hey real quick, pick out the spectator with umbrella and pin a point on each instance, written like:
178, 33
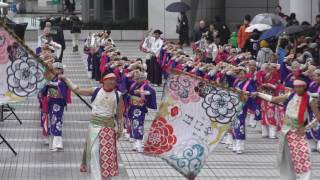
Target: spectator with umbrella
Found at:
184, 29
183, 26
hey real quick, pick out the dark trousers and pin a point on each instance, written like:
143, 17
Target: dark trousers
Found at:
61, 56
96, 74
154, 71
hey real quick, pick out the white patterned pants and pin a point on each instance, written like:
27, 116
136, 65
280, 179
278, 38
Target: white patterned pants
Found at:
95, 172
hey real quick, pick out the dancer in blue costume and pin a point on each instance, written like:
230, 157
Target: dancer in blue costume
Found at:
243, 83
141, 97
57, 96
314, 90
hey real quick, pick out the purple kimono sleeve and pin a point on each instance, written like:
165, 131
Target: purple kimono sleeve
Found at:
152, 98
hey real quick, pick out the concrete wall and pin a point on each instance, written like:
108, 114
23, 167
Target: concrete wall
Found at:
159, 18
306, 10
206, 10
237, 9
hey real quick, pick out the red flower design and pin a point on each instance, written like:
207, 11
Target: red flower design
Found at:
174, 111
161, 138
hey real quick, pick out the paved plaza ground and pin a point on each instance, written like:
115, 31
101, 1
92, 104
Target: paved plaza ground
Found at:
34, 161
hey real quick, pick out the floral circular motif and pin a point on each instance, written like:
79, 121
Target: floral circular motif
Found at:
220, 106
135, 123
56, 107
24, 75
137, 112
15, 51
59, 126
182, 88
5, 41
161, 137
174, 111
54, 119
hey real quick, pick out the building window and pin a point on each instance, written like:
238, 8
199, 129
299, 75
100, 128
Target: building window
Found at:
91, 4
107, 5
122, 10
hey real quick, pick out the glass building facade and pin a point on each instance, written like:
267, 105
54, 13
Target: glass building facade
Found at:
113, 10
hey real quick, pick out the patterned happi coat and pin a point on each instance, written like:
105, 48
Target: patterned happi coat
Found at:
239, 125
138, 107
54, 98
314, 91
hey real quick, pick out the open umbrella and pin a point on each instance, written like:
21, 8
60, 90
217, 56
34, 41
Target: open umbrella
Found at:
3, 5
269, 19
273, 32
259, 27
291, 30
178, 7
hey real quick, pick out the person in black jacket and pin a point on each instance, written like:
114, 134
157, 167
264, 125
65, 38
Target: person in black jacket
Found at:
184, 29
252, 44
198, 33
223, 29
75, 31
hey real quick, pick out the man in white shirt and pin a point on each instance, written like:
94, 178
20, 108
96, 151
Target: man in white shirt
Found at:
153, 47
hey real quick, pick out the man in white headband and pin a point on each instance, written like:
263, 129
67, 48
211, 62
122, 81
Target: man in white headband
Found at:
105, 126
294, 155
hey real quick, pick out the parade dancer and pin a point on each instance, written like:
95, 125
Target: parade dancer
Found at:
294, 155
268, 109
314, 90
289, 74
100, 154
243, 83
55, 97
254, 113
281, 90
141, 97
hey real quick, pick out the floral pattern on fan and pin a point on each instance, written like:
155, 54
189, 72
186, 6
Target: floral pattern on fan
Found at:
182, 89
24, 75
220, 105
161, 137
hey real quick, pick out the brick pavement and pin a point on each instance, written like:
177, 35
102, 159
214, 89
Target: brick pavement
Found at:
35, 161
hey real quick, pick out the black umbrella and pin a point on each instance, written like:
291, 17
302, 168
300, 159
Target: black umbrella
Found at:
178, 7
292, 30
